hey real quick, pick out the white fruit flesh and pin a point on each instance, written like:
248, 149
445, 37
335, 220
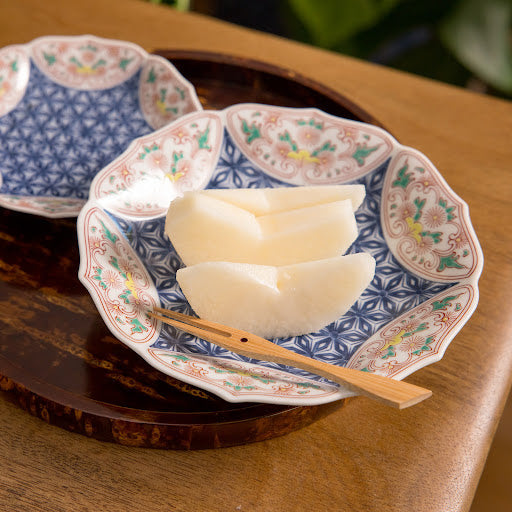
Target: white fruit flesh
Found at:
312, 233
264, 201
203, 228
276, 301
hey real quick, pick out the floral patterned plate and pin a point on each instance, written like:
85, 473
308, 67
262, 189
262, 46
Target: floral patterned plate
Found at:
68, 106
428, 257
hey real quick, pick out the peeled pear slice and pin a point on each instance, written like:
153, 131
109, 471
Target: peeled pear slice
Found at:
264, 201
274, 301
203, 228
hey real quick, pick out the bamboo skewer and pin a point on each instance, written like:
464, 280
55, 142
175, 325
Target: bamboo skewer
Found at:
395, 393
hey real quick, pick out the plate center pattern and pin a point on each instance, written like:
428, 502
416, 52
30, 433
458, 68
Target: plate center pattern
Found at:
57, 138
393, 291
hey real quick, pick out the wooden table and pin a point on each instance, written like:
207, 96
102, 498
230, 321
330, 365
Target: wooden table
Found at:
364, 456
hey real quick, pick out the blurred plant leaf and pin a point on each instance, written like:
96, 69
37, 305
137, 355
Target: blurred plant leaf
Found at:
330, 22
478, 32
180, 5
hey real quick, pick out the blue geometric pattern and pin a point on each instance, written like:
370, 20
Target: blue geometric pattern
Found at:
57, 138
393, 291
234, 170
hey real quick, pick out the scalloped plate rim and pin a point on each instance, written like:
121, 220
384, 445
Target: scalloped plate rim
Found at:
26, 48
472, 280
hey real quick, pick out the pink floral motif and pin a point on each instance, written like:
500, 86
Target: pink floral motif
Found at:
308, 136
54, 207
423, 246
435, 217
164, 94
426, 225
116, 279
156, 168
326, 162
180, 135
240, 380
157, 160
96, 244
406, 210
419, 336
14, 75
413, 343
112, 279
87, 62
459, 240
306, 146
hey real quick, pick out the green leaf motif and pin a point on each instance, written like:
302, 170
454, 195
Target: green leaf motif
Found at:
88, 47
236, 387
436, 237
478, 33
151, 76
286, 138
180, 91
403, 178
390, 353
111, 236
425, 346
99, 277
449, 262
176, 157
124, 63
74, 60
49, 58
312, 123
419, 208
125, 296
177, 357
326, 147
101, 62
331, 22
307, 385
361, 153
137, 326
443, 303
113, 261
148, 150
252, 131
448, 209
202, 139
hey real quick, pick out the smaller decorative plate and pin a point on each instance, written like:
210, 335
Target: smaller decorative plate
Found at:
417, 229
68, 106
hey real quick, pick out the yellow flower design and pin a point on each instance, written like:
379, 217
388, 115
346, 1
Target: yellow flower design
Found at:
86, 70
131, 285
161, 106
174, 177
303, 155
415, 227
395, 340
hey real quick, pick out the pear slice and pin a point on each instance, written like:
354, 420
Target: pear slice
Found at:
203, 228
264, 201
274, 301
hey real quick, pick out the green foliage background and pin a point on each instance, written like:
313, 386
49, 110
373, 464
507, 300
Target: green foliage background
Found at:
464, 42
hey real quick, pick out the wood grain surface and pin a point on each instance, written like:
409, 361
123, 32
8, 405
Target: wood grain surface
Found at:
363, 457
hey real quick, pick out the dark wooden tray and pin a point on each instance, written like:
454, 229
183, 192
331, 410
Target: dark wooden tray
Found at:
59, 362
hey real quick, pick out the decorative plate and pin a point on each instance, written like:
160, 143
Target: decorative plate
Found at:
418, 230
68, 106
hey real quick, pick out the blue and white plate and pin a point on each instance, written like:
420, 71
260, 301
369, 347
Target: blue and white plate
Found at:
417, 229
68, 107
